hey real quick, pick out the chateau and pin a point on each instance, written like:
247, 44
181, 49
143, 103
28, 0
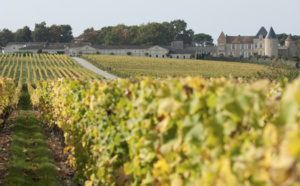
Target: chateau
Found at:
263, 43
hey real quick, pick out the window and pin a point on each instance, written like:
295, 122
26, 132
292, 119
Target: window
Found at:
231, 53
242, 46
249, 46
242, 54
261, 45
149, 55
163, 56
183, 57
177, 57
255, 45
156, 55
233, 46
249, 54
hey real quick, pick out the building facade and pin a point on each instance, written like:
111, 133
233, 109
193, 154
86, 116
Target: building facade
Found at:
176, 50
263, 44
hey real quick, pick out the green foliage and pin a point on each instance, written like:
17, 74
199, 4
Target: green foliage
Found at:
39, 51
23, 35
189, 131
9, 98
129, 53
6, 36
203, 39
41, 32
66, 34
145, 34
281, 38
279, 69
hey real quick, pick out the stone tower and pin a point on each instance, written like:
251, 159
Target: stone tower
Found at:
271, 44
222, 44
177, 43
290, 43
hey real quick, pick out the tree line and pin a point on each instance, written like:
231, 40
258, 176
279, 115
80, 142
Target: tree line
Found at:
144, 34
41, 33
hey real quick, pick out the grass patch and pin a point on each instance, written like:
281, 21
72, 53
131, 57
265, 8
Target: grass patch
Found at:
30, 162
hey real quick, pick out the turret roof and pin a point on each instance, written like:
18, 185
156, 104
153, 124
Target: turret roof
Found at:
222, 37
262, 31
271, 34
290, 38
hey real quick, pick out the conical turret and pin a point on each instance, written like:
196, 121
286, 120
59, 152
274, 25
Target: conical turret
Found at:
262, 31
290, 43
271, 34
271, 44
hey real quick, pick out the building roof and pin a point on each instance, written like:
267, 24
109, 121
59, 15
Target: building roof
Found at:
262, 31
222, 37
290, 38
239, 39
43, 45
77, 45
16, 43
120, 47
271, 34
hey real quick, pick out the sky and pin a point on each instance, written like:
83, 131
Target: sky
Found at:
233, 17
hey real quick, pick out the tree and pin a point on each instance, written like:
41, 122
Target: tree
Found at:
6, 36
66, 33
55, 34
103, 35
169, 32
281, 38
90, 35
203, 39
41, 32
23, 35
151, 34
187, 36
179, 26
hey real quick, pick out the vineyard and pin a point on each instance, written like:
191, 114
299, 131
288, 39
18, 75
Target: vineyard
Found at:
154, 131
39, 67
126, 66
9, 98
178, 131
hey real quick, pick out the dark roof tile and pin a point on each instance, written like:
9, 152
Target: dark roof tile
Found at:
271, 34
262, 32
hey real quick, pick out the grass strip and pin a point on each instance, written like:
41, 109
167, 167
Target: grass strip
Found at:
30, 162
